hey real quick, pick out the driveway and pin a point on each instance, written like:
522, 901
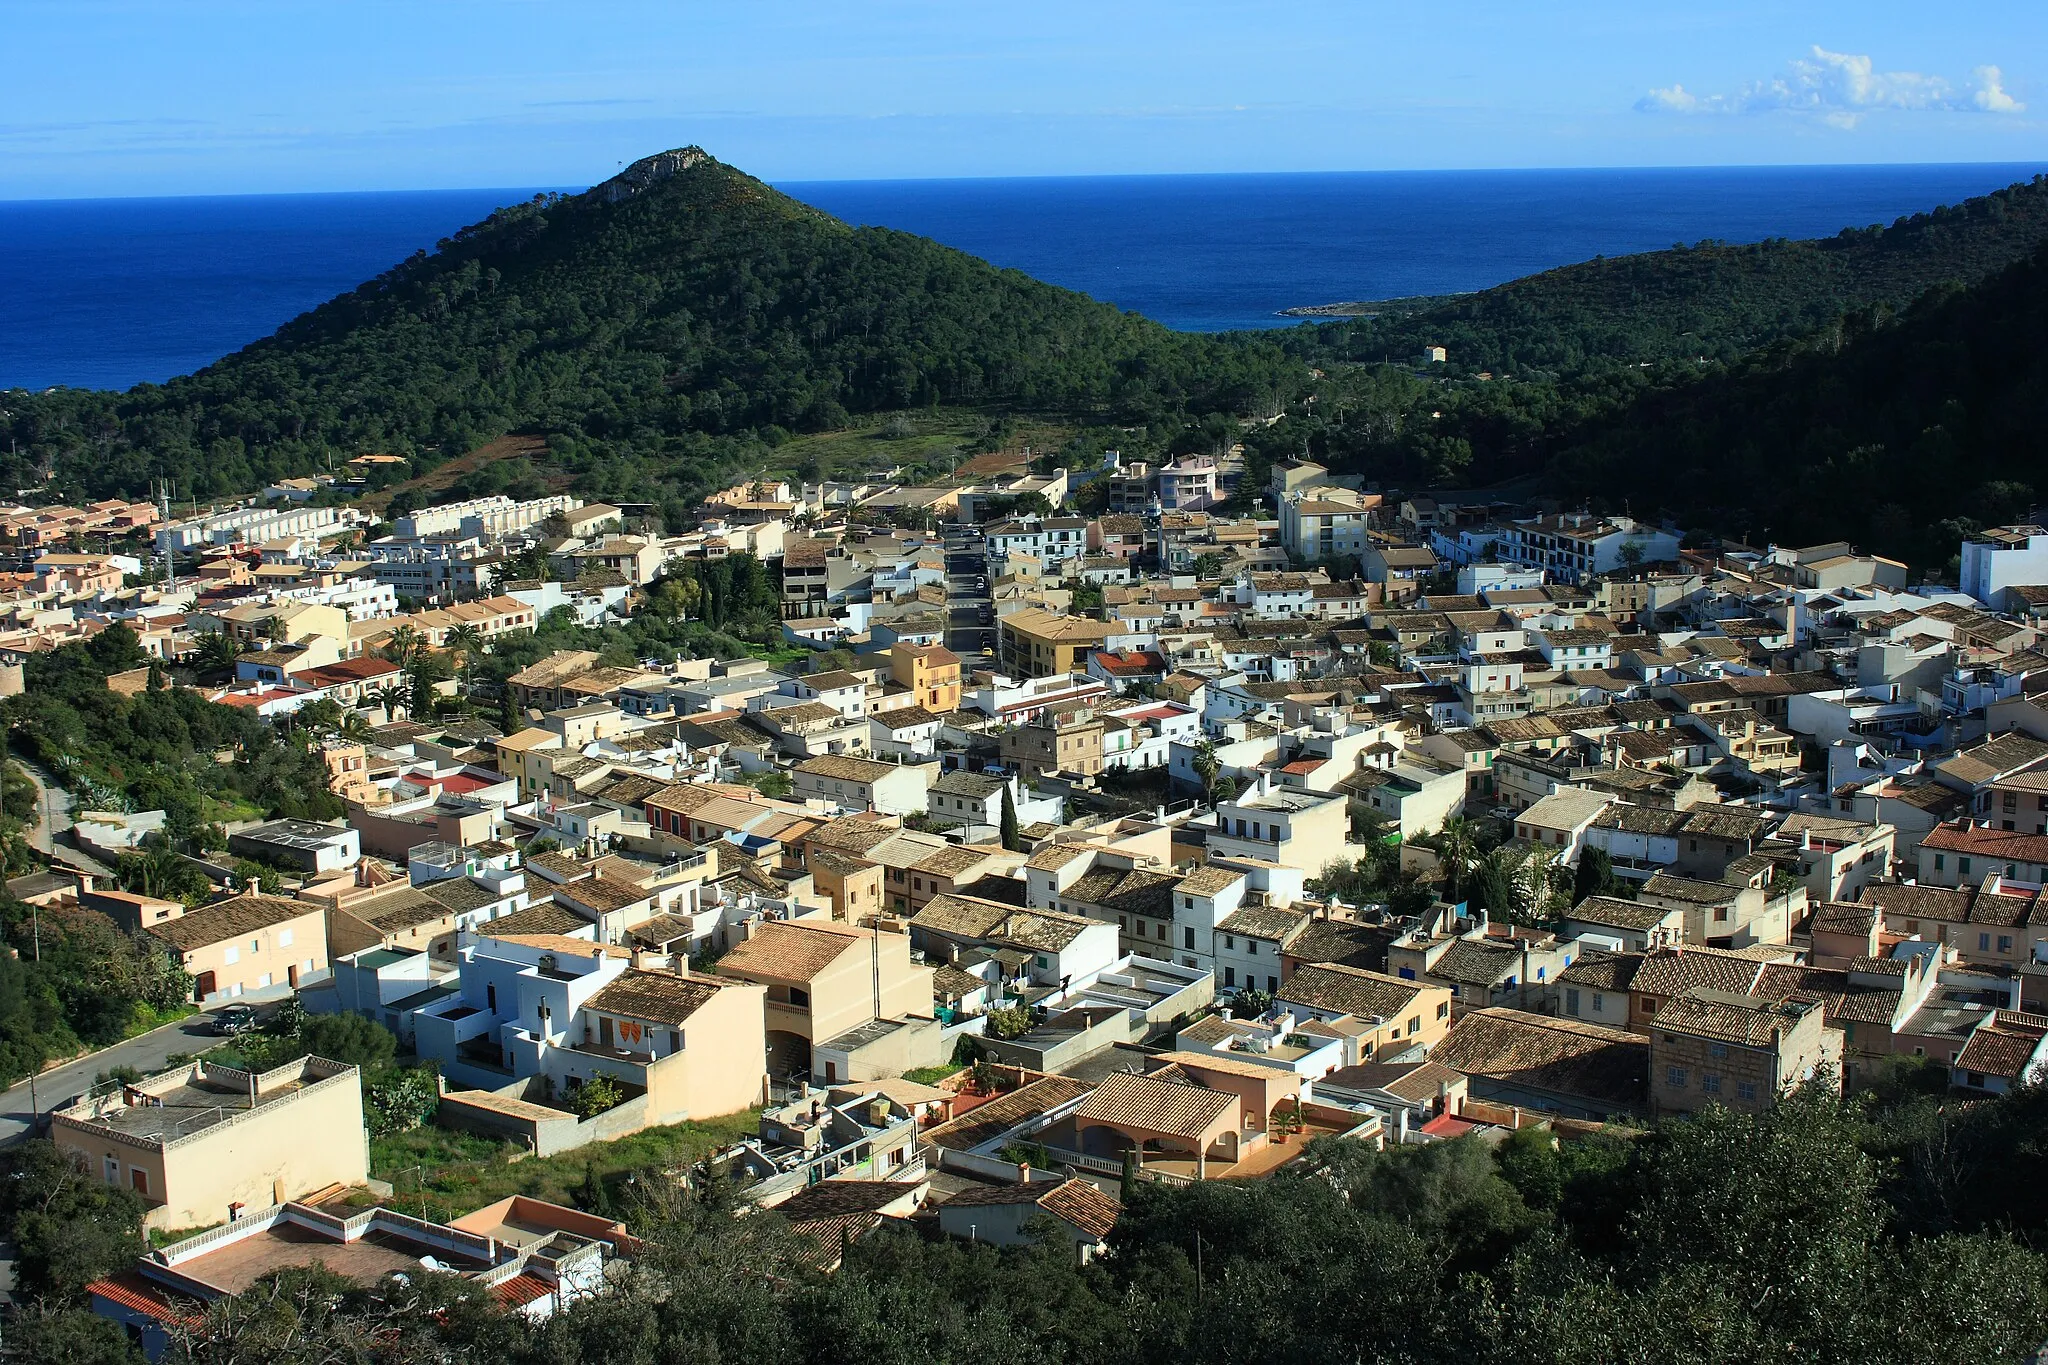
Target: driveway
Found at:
146, 1052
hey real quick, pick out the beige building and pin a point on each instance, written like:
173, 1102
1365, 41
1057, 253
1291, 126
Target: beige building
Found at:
693, 1042
864, 783
529, 757
1741, 1051
825, 980
1069, 743
204, 1143
1035, 643
246, 943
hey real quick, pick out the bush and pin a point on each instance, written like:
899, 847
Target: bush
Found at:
1009, 1021
348, 1038
399, 1099
596, 1095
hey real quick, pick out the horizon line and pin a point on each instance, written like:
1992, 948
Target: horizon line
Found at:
785, 182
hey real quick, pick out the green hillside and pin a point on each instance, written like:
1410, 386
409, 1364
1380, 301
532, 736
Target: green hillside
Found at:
1712, 301
672, 322
1903, 434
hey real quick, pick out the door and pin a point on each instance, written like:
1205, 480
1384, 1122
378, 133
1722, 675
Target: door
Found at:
291, 976
204, 986
604, 1030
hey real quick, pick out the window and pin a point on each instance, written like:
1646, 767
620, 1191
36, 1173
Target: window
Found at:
1717, 1050
1187, 902
1674, 1077
1230, 941
1710, 1083
1745, 1090
1159, 931
1599, 1003
1963, 866
2005, 943
1571, 1001
1983, 943
139, 1179
1415, 1025
230, 955
1188, 936
1407, 973
113, 1171
284, 938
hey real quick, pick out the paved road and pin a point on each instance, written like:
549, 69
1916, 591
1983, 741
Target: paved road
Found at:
146, 1052
966, 631
53, 805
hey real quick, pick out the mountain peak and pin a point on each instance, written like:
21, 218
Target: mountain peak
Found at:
649, 170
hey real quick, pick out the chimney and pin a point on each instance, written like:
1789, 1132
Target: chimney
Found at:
1401, 1126
1023, 1173
679, 964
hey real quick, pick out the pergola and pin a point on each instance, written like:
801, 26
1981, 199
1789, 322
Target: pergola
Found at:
1175, 1115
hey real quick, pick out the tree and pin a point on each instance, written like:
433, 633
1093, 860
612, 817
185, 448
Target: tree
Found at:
71, 1227
348, 1038
405, 646
1206, 765
596, 1095
1457, 844
508, 711
1595, 875
217, 652
1010, 838
1630, 556
392, 698
467, 639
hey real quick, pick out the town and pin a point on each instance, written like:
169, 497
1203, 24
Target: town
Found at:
1032, 838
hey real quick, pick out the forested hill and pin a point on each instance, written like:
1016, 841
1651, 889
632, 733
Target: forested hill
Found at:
677, 313
1713, 301
1903, 436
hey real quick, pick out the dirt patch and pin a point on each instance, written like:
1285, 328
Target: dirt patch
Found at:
444, 476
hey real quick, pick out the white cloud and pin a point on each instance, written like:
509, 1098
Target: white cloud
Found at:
1839, 89
1991, 96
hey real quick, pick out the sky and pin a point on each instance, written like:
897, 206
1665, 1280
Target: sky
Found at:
151, 97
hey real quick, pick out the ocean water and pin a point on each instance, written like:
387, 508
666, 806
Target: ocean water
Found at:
109, 293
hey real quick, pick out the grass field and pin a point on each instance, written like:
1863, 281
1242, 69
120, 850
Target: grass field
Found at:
940, 438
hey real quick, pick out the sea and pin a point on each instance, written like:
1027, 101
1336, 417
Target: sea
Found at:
108, 293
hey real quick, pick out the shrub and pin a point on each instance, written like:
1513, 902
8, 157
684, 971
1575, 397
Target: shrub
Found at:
597, 1094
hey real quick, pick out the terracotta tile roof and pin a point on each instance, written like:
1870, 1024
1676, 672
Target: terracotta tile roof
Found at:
1563, 1056
790, 950
521, 1290
1005, 1112
1082, 1205
1602, 971
543, 918
1746, 1020
1350, 990
230, 918
1470, 962
832, 1198
662, 997
1998, 1049
1671, 971
130, 1291
1159, 1106
1267, 922
1621, 914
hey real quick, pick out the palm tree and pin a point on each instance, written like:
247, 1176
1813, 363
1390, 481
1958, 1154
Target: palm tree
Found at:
355, 726
468, 638
218, 651
392, 699
405, 645
1457, 845
1206, 766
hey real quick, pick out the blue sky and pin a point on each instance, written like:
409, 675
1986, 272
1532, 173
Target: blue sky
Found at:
127, 97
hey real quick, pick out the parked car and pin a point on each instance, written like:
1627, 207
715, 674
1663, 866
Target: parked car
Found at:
233, 1019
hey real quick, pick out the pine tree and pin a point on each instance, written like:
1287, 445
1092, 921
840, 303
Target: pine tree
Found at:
1010, 839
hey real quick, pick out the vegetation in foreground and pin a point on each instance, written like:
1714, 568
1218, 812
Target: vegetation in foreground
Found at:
1890, 1228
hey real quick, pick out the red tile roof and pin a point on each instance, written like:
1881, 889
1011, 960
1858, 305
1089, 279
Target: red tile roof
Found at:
521, 1290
